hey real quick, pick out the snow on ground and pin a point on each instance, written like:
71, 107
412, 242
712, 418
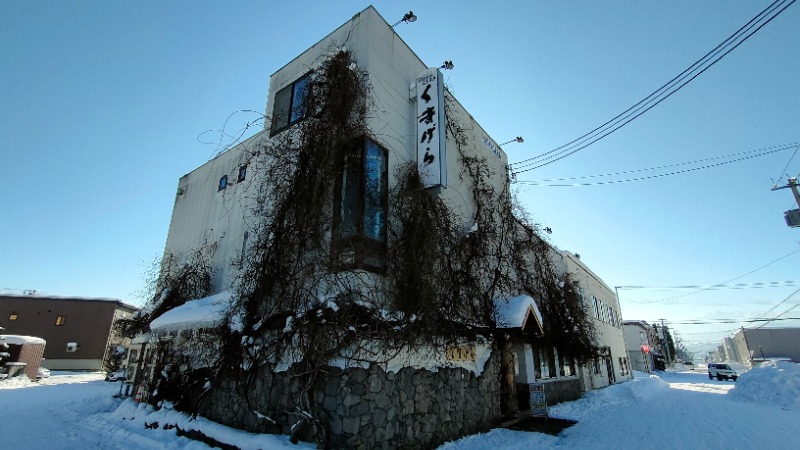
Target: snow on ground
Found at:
682, 410
78, 411
771, 382
673, 409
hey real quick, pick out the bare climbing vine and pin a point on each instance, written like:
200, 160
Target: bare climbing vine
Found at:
300, 303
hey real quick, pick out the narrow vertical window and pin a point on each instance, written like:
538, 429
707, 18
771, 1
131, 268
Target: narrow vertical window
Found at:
361, 207
60, 320
244, 247
223, 183
375, 186
242, 173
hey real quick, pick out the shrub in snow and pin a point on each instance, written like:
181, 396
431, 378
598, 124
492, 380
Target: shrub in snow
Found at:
771, 382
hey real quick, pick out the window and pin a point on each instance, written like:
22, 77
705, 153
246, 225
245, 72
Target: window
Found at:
544, 359
596, 307
361, 198
60, 320
13, 316
244, 247
288, 107
223, 183
242, 173
567, 364
134, 356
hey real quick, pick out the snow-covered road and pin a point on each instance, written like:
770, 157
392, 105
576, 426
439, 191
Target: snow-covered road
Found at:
682, 410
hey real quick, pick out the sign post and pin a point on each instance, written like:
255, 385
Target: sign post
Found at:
538, 400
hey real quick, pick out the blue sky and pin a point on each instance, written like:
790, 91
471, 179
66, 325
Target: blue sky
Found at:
103, 104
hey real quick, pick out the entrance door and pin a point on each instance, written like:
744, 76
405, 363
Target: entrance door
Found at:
610, 367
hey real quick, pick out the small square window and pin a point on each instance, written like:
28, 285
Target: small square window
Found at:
13, 316
60, 320
242, 173
223, 183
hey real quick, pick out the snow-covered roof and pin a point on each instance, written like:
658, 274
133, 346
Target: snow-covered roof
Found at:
22, 340
514, 312
200, 313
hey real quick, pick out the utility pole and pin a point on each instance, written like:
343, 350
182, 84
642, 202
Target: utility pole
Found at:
791, 216
666, 341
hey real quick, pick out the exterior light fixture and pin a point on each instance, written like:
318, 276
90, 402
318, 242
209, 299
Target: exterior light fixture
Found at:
516, 139
447, 65
408, 17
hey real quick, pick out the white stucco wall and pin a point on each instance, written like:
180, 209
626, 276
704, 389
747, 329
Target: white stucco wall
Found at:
608, 334
203, 215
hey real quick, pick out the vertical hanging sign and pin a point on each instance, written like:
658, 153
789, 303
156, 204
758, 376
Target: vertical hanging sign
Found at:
431, 136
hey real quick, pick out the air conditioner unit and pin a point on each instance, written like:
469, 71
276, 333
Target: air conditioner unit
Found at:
792, 218
72, 347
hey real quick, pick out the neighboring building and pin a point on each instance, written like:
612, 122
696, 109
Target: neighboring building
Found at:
78, 331
730, 350
754, 345
639, 345
602, 303
25, 352
356, 268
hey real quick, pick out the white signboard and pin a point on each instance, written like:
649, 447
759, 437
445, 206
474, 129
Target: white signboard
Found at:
431, 135
538, 400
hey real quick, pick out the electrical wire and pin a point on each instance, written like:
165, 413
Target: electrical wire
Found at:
650, 177
759, 152
715, 287
787, 165
723, 321
660, 94
778, 304
724, 282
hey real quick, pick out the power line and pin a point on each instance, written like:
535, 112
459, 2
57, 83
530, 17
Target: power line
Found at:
752, 154
779, 304
787, 165
722, 321
660, 94
724, 282
715, 287
650, 177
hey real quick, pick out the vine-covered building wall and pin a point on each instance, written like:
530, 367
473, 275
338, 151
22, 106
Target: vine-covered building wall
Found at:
345, 297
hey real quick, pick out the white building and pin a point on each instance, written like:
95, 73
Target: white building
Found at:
372, 202
603, 305
639, 345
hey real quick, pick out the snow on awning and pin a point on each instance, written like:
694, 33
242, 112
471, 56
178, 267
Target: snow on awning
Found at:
201, 313
516, 312
22, 340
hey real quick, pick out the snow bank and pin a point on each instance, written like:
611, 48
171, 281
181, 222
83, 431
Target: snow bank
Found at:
142, 414
640, 388
500, 438
775, 382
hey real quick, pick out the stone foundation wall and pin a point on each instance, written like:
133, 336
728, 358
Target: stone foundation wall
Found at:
367, 408
563, 390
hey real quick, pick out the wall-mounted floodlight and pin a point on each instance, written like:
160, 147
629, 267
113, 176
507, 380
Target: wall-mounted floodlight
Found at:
516, 139
408, 17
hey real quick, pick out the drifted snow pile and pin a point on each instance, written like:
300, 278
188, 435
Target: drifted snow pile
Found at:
164, 421
641, 387
771, 382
